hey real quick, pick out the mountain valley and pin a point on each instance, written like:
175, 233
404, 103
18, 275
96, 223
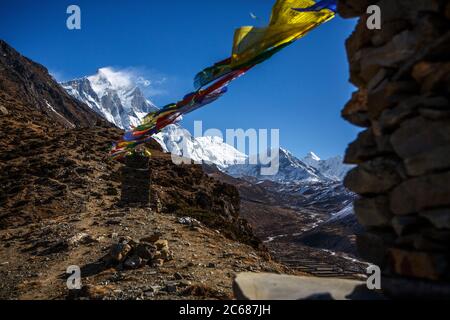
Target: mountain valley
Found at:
63, 201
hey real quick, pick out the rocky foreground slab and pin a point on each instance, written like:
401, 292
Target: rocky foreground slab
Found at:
267, 286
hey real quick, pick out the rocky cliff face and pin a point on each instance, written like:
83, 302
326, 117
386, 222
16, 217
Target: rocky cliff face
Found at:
403, 77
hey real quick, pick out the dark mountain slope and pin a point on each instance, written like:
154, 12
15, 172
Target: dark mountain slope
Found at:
29, 93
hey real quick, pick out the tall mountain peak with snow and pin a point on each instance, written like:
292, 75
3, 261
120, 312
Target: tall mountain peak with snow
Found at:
112, 95
311, 157
333, 168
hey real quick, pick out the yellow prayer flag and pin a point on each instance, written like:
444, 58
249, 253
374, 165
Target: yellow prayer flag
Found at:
286, 25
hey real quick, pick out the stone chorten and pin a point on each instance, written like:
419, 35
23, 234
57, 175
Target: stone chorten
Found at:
402, 157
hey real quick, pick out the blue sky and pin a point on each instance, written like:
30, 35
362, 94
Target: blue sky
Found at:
300, 91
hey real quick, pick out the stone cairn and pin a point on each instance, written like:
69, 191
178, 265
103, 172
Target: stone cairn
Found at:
402, 157
135, 181
133, 254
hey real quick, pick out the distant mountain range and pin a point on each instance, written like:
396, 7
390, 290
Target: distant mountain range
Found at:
292, 169
122, 103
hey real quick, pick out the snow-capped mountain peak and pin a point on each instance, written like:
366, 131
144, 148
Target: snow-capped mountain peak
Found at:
106, 79
333, 168
311, 155
113, 95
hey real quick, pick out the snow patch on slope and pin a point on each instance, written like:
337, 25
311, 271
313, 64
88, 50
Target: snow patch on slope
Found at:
58, 114
347, 211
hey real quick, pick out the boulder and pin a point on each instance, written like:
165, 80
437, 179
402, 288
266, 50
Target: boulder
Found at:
267, 286
188, 221
434, 77
440, 218
417, 289
405, 224
419, 264
424, 243
146, 251
428, 162
373, 212
355, 111
388, 31
380, 77
418, 136
165, 254
119, 252
419, 194
391, 118
388, 95
383, 142
162, 244
405, 9
391, 55
158, 262
359, 39
435, 114
439, 235
353, 8
3, 111
362, 149
373, 245
373, 177
80, 238
134, 262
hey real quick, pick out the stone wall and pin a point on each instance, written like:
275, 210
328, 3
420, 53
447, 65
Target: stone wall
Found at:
402, 73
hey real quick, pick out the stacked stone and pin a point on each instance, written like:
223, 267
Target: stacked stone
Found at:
135, 181
402, 157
